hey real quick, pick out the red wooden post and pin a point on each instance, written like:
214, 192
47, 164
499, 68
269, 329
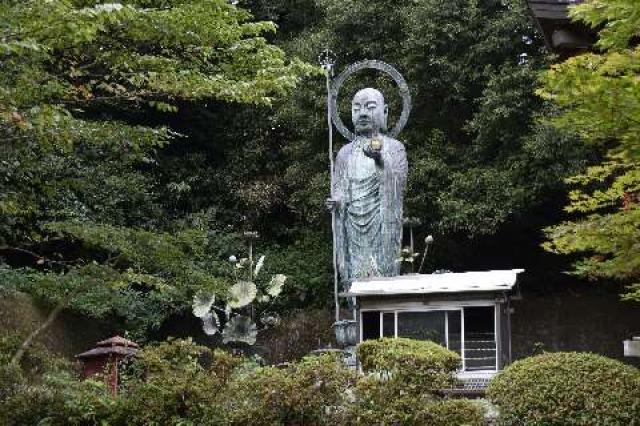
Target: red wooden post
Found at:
105, 358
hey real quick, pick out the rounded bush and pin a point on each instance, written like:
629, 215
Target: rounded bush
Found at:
383, 403
567, 388
419, 365
309, 392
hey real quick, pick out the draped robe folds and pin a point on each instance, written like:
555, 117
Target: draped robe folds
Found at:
369, 214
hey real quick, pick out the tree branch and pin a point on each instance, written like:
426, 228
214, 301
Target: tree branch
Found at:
15, 360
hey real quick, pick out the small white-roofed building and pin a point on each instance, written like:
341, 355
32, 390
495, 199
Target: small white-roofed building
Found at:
467, 312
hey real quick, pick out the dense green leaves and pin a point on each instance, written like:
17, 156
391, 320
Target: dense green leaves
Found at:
469, 133
418, 366
618, 21
599, 97
178, 383
567, 388
401, 382
87, 91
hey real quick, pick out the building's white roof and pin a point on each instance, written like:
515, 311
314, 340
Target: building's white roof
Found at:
450, 282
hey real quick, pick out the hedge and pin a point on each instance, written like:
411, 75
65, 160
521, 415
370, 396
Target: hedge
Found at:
567, 388
419, 365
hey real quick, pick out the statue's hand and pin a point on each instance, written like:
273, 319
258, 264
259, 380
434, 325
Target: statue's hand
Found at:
332, 204
374, 153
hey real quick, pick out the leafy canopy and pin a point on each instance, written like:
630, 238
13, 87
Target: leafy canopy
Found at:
87, 91
599, 97
63, 57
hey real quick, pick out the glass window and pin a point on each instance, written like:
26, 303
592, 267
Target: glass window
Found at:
370, 325
454, 325
422, 326
469, 332
389, 324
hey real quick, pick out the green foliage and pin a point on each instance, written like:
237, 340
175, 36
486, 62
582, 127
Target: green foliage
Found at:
306, 261
179, 382
301, 393
376, 406
473, 107
48, 183
11, 380
403, 376
320, 390
599, 99
609, 229
87, 90
44, 389
452, 412
176, 382
155, 259
567, 389
35, 364
143, 277
618, 21
598, 94
60, 400
82, 54
297, 334
419, 366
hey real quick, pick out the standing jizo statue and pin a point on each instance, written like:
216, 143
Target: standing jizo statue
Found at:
367, 194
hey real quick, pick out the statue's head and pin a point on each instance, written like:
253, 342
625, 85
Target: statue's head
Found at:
369, 112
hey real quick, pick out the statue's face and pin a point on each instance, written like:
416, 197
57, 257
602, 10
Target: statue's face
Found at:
369, 112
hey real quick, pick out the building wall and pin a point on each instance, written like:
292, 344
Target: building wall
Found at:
591, 322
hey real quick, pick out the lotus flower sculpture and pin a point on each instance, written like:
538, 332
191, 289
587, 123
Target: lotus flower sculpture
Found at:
247, 291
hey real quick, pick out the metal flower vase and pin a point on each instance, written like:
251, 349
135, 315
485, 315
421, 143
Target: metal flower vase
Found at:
345, 333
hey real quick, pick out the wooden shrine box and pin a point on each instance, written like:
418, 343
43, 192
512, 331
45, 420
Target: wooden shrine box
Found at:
105, 359
467, 312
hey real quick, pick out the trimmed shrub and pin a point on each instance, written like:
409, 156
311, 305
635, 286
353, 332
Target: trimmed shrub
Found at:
451, 412
60, 400
567, 388
176, 382
310, 392
179, 382
399, 389
44, 389
379, 401
11, 381
418, 365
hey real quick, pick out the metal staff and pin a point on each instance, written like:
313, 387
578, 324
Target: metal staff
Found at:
327, 61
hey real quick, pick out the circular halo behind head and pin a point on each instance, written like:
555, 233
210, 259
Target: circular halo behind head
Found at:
380, 66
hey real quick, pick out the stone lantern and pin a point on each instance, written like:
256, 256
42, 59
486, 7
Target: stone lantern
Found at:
105, 358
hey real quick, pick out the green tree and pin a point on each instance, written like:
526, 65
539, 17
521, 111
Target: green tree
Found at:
473, 106
599, 97
87, 90
479, 162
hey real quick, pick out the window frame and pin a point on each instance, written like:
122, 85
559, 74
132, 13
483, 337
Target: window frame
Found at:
438, 308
